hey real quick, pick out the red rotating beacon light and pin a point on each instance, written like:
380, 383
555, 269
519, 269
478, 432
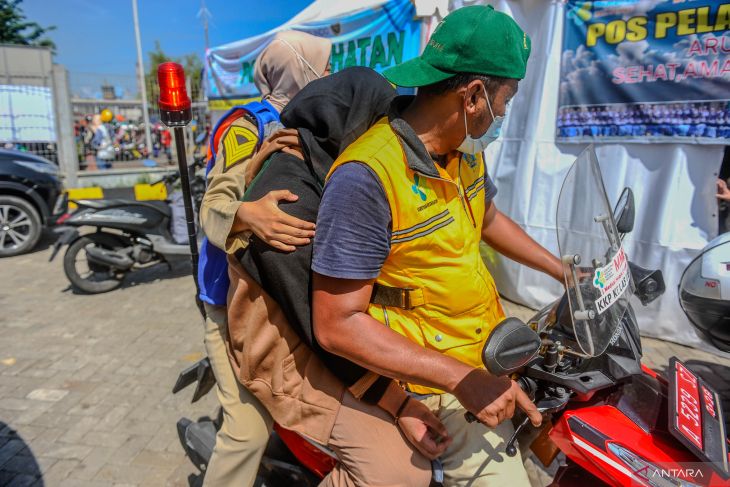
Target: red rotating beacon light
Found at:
174, 102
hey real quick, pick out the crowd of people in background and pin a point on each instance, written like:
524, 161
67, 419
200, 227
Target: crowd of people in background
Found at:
711, 119
104, 142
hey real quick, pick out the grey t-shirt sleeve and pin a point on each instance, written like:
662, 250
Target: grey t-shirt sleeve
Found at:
353, 231
490, 190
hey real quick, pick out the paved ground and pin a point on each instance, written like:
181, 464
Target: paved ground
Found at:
85, 380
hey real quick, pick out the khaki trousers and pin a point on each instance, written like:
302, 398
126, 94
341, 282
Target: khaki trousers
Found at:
372, 451
241, 441
476, 457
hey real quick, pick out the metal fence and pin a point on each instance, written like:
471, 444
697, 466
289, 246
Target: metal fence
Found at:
126, 128
47, 150
127, 133
31, 88
48, 112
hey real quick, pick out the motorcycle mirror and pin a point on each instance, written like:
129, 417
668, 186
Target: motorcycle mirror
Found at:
510, 346
649, 284
623, 213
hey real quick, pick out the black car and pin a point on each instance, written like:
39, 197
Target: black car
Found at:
31, 198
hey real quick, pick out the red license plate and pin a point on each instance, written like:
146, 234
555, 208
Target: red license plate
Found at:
687, 404
696, 416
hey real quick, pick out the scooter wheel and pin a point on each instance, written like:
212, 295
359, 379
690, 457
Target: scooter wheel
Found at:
89, 277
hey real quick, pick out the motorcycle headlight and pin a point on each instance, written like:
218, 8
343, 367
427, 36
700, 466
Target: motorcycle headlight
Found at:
43, 167
652, 474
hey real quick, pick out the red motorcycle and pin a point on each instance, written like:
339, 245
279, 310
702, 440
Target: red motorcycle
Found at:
616, 421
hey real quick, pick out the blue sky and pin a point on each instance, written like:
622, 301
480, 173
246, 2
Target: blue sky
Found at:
95, 38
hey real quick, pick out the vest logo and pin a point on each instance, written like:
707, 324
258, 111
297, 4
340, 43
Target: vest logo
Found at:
419, 187
471, 160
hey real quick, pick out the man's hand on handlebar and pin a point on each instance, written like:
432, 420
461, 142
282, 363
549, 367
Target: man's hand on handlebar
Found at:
272, 225
493, 399
423, 429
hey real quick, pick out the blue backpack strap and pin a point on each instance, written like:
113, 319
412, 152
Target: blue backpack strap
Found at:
264, 114
262, 111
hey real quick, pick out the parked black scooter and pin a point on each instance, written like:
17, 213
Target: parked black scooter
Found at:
129, 235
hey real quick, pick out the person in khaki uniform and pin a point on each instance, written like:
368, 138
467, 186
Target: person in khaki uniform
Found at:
284, 67
399, 285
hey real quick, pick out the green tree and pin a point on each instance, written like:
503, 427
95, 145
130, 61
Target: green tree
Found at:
16, 29
193, 70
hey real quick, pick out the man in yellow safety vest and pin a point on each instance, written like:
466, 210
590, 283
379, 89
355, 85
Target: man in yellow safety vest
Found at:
398, 231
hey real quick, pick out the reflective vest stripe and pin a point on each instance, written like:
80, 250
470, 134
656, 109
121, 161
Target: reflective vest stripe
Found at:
421, 225
423, 233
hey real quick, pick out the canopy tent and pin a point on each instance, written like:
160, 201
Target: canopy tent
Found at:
374, 33
672, 182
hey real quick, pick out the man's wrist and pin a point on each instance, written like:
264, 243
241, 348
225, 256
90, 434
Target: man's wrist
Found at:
558, 271
554, 268
456, 376
392, 398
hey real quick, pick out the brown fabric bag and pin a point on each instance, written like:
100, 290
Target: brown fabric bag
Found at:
272, 362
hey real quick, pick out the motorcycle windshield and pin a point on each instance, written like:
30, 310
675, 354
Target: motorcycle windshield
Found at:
596, 269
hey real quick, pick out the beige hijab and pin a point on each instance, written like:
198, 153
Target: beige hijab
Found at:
290, 61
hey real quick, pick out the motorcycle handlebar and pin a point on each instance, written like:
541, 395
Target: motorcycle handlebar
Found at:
527, 386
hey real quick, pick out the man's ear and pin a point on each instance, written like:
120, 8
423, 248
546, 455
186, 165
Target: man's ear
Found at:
474, 91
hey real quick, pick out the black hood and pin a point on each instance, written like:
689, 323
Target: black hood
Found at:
332, 112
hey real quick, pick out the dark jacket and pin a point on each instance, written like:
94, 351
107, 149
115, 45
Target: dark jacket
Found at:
274, 286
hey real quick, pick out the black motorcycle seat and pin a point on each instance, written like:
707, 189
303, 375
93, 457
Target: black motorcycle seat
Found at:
160, 206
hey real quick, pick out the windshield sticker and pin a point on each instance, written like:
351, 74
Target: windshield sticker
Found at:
612, 280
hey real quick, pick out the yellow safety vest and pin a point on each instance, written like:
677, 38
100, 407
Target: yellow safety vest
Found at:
436, 230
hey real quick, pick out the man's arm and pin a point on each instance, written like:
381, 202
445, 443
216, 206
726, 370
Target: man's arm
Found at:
353, 241
507, 238
222, 199
342, 326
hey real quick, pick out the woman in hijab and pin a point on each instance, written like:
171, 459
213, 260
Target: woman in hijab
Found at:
285, 66
329, 114
290, 61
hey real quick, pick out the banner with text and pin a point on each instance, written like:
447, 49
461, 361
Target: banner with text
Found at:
376, 37
649, 70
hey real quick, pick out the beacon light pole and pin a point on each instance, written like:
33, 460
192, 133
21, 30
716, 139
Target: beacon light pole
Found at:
175, 112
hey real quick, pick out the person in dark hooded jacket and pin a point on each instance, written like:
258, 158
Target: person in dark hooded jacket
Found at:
329, 114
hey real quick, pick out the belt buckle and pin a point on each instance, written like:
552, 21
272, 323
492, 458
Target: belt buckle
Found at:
405, 298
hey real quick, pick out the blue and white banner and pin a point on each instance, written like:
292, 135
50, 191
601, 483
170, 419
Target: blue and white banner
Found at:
645, 70
375, 37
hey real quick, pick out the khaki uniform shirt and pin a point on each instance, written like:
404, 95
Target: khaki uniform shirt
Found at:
266, 354
226, 185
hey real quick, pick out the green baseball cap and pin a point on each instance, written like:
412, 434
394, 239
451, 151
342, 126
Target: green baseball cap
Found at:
475, 39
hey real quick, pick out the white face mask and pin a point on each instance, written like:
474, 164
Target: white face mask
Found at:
475, 146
